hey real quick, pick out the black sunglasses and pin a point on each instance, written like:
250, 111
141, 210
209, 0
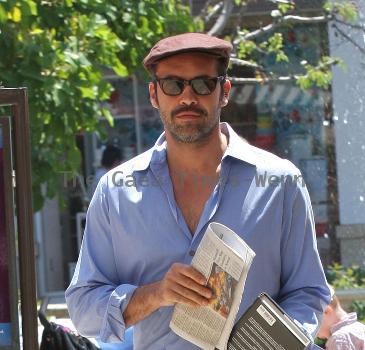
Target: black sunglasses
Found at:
201, 86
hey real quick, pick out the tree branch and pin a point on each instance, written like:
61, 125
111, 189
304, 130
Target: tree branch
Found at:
238, 62
215, 10
204, 11
272, 77
222, 19
236, 80
279, 22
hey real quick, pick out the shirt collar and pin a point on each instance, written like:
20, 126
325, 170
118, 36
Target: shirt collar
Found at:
156, 154
237, 148
348, 319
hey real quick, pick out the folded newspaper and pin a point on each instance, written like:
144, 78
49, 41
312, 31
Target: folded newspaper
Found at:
224, 259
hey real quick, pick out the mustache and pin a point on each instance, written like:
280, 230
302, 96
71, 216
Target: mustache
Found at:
194, 109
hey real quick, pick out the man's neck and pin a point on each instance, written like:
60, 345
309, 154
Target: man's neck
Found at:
197, 158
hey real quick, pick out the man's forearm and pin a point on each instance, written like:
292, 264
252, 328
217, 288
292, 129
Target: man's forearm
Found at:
181, 284
143, 302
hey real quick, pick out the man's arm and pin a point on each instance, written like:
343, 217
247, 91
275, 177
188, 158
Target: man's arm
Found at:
95, 296
181, 284
304, 291
99, 305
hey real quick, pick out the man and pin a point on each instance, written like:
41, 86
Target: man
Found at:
148, 215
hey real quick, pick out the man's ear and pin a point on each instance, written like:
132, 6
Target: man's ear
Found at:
226, 90
153, 95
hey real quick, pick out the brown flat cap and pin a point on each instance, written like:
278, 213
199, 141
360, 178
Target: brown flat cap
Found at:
186, 43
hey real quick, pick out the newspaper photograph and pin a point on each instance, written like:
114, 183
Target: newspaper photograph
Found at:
222, 285
224, 259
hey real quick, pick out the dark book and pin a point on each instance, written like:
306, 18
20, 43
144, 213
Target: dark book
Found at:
265, 326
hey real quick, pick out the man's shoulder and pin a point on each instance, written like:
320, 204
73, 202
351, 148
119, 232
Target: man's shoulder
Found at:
270, 163
138, 163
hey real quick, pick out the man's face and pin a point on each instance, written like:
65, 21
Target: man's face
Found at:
189, 117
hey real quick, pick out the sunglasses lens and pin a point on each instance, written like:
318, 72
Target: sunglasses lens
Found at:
203, 86
171, 87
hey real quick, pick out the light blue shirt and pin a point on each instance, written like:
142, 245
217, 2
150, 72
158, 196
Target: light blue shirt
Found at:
135, 231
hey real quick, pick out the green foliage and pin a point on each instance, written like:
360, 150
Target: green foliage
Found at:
246, 48
346, 9
358, 307
284, 8
345, 278
251, 50
269, 44
320, 75
240, 2
275, 45
59, 50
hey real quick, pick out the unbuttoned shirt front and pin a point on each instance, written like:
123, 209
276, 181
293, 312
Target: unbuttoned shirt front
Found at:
348, 334
135, 231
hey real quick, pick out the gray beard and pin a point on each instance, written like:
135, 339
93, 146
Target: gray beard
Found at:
199, 135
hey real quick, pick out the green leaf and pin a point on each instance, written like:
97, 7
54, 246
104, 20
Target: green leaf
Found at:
102, 32
246, 48
29, 8
346, 9
74, 157
3, 14
282, 57
328, 6
349, 12
120, 68
286, 7
108, 116
87, 92
144, 23
15, 14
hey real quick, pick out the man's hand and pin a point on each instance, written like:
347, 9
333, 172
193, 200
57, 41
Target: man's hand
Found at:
183, 284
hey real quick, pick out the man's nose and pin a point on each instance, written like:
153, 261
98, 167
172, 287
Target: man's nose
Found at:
188, 97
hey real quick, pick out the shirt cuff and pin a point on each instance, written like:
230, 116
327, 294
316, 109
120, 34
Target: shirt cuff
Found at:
113, 326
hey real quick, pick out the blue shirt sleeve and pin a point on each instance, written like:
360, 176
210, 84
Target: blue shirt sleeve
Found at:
95, 299
304, 292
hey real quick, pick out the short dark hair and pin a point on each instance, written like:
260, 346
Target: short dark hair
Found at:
221, 67
111, 155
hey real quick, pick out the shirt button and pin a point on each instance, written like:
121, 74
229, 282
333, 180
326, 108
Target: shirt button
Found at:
192, 253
